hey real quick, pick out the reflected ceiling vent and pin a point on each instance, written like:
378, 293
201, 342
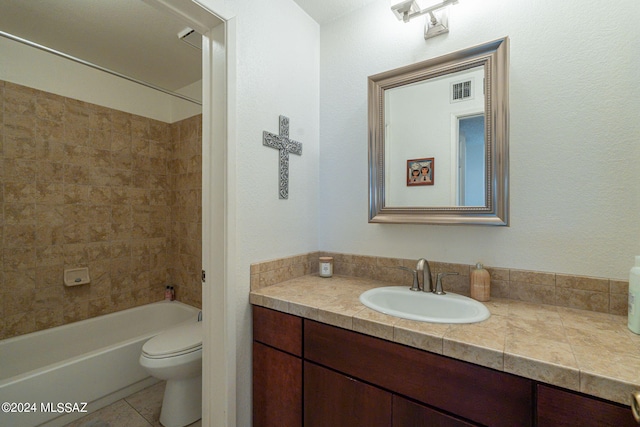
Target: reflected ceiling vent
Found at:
462, 91
191, 37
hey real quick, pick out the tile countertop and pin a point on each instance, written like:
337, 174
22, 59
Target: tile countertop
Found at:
585, 351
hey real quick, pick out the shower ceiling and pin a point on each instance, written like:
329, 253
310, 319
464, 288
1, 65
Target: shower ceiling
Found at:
126, 36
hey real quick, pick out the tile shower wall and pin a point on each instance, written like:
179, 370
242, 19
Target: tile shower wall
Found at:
585, 293
185, 172
84, 185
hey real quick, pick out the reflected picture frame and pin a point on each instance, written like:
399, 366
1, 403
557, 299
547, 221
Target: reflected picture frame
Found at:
420, 171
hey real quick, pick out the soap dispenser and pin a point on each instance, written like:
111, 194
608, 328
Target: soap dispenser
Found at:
634, 298
480, 283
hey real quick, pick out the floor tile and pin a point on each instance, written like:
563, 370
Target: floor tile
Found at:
141, 409
148, 402
118, 414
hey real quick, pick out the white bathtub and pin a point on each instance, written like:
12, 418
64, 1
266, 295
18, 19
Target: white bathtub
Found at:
93, 361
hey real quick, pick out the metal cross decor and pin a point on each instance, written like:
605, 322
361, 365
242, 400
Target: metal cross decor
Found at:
285, 145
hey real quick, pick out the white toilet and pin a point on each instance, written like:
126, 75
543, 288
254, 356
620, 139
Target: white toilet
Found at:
175, 355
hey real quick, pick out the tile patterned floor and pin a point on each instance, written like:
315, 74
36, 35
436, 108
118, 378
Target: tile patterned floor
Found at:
141, 409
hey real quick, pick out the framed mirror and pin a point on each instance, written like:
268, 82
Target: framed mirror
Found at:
439, 139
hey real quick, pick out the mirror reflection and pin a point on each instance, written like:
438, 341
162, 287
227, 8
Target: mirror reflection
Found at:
440, 118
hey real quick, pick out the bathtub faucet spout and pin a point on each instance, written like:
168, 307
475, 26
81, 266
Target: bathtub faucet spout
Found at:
200, 316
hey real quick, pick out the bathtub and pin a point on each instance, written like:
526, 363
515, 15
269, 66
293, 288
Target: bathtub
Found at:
48, 376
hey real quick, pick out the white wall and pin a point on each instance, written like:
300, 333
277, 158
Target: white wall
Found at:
277, 62
41, 70
574, 147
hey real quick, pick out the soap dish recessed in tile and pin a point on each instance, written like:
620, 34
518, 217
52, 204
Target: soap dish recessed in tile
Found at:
76, 276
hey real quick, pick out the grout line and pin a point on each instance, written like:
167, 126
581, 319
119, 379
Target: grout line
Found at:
137, 412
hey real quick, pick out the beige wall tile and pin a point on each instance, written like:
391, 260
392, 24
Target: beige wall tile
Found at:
498, 274
532, 277
19, 258
499, 288
19, 193
618, 287
50, 142
582, 283
49, 317
19, 280
50, 108
19, 214
618, 304
19, 324
87, 185
584, 300
532, 293
19, 99
18, 170
585, 293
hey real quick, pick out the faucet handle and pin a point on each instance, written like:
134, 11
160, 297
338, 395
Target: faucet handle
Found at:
416, 285
439, 290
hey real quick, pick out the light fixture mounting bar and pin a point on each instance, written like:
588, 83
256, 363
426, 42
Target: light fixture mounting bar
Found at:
409, 9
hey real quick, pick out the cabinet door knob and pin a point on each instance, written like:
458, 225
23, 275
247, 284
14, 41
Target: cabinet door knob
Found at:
635, 405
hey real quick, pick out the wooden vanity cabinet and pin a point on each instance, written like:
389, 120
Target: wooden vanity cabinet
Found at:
277, 369
306, 373
564, 408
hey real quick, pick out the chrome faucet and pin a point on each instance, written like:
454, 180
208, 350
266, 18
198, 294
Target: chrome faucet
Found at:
200, 316
423, 265
427, 284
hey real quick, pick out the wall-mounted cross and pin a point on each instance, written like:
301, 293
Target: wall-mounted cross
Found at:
285, 145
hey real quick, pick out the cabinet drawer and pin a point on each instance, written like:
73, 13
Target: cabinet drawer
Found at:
476, 393
560, 408
276, 329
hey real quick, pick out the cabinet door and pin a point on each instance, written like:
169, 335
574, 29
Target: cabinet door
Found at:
277, 388
335, 400
410, 414
559, 408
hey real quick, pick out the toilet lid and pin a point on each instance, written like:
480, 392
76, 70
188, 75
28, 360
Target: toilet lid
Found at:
181, 339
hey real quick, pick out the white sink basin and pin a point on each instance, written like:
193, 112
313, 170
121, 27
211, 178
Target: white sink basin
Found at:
399, 301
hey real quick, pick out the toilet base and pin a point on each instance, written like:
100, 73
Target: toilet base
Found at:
182, 402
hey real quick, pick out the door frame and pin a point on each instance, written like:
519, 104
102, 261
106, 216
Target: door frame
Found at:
209, 18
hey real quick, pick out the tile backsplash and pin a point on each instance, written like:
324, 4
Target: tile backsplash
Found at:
586, 293
84, 185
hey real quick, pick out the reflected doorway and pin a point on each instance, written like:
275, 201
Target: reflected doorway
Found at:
471, 161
